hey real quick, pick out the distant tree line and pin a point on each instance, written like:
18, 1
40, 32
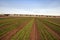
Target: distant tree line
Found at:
6, 14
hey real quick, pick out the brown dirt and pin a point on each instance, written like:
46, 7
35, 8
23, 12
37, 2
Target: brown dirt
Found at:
56, 31
7, 25
52, 32
9, 34
34, 33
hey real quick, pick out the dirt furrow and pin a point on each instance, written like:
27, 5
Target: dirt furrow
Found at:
7, 25
34, 33
9, 34
52, 32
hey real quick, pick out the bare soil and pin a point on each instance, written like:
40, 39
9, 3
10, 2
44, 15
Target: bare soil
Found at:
52, 32
34, 33
9, 34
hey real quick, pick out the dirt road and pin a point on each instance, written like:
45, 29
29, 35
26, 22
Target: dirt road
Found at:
34, 33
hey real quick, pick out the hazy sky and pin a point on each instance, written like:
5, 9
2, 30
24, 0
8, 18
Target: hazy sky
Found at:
40, 7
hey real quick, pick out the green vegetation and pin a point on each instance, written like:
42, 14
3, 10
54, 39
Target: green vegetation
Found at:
43, 24
44, 33
52, 25
24, 33
14, 23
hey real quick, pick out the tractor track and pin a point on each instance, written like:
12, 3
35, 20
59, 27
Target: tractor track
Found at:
34, 35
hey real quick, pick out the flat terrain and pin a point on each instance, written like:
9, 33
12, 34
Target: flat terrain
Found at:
29, 28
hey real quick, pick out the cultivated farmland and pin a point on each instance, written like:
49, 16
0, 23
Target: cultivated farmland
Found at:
29, 28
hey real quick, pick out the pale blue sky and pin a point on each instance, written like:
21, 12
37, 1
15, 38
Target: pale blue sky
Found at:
40, 7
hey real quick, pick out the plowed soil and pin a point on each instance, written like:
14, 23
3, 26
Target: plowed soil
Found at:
34, 33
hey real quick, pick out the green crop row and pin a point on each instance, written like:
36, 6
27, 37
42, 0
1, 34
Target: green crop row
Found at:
44, 33
9, 24
54, 20
7, 20
24, 33
16, 24
53, 26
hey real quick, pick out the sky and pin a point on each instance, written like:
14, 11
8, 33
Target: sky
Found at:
35, 7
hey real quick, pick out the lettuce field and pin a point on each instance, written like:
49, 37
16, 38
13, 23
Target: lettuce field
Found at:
29, 28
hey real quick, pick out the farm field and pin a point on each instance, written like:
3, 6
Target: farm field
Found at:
29, 28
